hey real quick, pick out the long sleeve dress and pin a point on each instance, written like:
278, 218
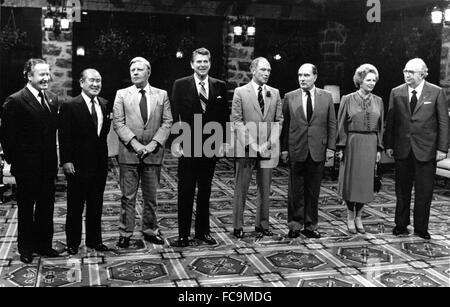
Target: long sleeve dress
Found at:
360, 131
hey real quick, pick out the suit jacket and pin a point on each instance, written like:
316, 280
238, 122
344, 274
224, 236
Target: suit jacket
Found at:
186, 104
423, 130
300, 137
128, 123
79, 142
245, 112
28, 133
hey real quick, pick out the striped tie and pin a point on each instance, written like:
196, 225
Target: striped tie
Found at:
261, 99
203, 96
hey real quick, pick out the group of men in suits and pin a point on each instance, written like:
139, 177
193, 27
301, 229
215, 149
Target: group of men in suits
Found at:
417, 137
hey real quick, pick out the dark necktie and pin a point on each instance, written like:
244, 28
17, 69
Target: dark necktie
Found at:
261, 99
43, 104
309, 109
413, 101
203, 96
94, 114
143, 106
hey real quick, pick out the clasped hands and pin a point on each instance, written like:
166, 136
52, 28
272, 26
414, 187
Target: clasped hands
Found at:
141, 150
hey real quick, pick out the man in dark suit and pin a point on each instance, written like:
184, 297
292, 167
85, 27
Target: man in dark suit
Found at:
417, 137
204, 98
83, 128
308, 139
28, 137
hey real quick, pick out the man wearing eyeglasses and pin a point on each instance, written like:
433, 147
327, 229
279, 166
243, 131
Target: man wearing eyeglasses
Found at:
417, 138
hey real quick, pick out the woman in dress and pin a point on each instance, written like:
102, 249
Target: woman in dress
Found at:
360, 130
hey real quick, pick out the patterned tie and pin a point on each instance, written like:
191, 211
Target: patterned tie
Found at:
43, 104
309, 109
261, 99
413, 101
143, 106
203, 96
94, 114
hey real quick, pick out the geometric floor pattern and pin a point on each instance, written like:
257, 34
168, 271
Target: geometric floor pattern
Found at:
338, 259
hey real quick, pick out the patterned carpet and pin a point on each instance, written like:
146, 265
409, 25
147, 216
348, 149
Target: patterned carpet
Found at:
377, 259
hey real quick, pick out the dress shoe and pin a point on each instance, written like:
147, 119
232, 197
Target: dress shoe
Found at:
99, 247
155, 239
207, 239
311, 233
123, 242
26, 258
72, 250
48, 252
423, 234
182, 242
238, 233
400, 230
264, 232
294, 233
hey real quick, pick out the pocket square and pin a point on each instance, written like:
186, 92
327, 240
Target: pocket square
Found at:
427, 102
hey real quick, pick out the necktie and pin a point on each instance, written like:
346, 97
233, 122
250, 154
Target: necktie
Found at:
261, 99
43, 104
309, 109
94, 114
203, 96
143, 106
413, 101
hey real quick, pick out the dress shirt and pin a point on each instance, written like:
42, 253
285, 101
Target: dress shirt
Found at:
98, 109
197, 84
418, 89
305, 98
147, 95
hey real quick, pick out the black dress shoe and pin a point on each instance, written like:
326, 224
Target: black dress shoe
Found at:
294, 233
48, 252
423, 234
400, 230
311, 233
182, 242
123, 242
26, 258
264, 232
207, 239
155, 239
238, 233
72, 250
99, 247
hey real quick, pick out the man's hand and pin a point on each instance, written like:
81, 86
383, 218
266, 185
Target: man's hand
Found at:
390, 152
285, 156
151, 147
177, 150
254, 147
340, 154
68, 168
378, 156
137, 146
224, 149
440, 155
330, 154
264, 149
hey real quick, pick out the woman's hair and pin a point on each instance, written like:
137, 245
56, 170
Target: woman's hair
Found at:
362, 71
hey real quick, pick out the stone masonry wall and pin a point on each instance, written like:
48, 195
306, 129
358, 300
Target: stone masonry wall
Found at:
239, 52
333, 39
445, 60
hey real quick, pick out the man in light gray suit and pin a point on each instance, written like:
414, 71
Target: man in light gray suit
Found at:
308, 138
257, 118
142, 120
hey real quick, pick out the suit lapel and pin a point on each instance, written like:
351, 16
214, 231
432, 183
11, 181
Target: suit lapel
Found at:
316, 103
135, 103
297, 105
423, 96
405, 97
32, 101
86, 113
253, 98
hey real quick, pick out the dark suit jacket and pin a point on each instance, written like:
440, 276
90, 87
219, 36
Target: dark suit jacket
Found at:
300, 137
424, 130
79, 142
186, 103
28, 133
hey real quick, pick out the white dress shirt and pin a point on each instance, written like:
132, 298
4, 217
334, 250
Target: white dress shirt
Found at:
197, 84
98, 110
418, 89
256, 87
305, 97
147, 95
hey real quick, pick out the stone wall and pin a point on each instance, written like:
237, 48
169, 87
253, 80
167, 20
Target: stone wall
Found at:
445, 60
238, 52
57, 51
333, 39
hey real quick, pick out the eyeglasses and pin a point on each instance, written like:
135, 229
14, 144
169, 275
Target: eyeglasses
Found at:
409, 72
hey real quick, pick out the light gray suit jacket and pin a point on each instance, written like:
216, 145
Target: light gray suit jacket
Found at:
128, 123
300, 137
245, 109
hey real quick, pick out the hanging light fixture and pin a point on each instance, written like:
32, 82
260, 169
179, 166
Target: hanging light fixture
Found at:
55, 17
237, 30
251, 31
447, 14
441, 14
